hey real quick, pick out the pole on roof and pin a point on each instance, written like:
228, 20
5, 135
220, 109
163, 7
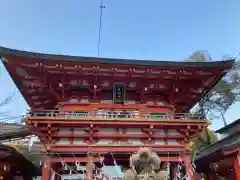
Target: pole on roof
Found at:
100, 26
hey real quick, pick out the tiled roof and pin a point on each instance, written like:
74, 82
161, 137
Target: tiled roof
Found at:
12, 131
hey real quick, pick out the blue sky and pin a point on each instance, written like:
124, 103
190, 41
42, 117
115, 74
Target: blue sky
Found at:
153, 29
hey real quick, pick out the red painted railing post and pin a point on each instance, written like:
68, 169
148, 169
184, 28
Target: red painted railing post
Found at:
236, 164
46, 171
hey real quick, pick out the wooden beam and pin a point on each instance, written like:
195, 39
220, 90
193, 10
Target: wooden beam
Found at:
113, 149
106, 159
231, 151
120, 106
115, 135
72, 159
116, 121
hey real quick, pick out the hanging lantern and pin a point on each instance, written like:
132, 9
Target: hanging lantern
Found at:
6, 167
238, 158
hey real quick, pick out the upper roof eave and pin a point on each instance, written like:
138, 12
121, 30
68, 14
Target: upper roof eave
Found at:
227, 64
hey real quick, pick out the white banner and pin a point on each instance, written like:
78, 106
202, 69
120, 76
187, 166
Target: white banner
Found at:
238, 158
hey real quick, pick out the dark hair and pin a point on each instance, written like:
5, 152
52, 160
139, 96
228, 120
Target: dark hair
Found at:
163, 165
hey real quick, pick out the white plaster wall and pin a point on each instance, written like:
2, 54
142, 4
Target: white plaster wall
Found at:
63, 141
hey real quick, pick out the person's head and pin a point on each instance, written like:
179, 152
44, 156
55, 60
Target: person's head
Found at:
163, 166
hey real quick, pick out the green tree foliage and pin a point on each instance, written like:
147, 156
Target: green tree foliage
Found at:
225, 93
203, 140
218, 100
199, 56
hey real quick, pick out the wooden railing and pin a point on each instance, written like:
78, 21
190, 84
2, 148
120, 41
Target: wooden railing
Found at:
116, 115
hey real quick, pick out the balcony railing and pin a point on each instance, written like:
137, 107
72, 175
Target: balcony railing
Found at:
116, 115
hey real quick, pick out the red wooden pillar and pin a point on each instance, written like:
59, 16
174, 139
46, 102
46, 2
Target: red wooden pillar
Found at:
46, 170
188, 166
236, 164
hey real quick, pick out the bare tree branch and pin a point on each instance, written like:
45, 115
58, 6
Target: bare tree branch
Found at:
4, 103
225, 93
7, 100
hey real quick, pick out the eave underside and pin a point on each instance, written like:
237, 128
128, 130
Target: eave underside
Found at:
38, 77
